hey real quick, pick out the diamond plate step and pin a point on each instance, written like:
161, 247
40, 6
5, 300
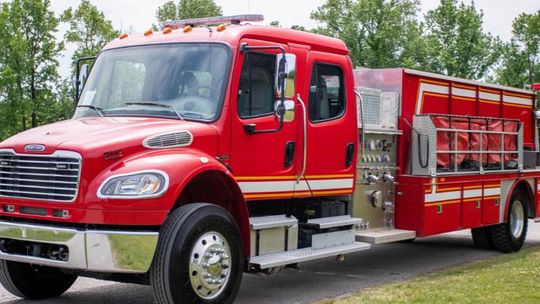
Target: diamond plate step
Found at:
383, 236
272, 221
335, 221
306, 254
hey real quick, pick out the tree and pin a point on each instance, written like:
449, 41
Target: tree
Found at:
88, 29
187, 9
378, 33
168, 11
456, 43
198, 9
29, 65
521, 56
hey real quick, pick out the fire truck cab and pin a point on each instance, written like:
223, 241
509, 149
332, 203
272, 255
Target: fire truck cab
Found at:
214, 147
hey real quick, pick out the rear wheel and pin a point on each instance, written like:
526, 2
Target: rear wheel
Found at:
199, 257
482, 237
510, 236
34, 282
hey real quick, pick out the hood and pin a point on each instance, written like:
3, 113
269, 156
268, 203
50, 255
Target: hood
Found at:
94, 136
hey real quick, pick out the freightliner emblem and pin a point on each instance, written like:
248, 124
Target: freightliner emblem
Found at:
34, 148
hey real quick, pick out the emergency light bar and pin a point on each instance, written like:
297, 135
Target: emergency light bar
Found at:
536, 87
176, 24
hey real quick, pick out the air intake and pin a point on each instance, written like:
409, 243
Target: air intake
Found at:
169, 140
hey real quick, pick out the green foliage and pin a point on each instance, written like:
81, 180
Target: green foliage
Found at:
456, 43
198, 9
379, 33
28, 61
89, 30
187, 9
168, 11
521, 56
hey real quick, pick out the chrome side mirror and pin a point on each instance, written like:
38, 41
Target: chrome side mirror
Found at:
286, 75
287, 111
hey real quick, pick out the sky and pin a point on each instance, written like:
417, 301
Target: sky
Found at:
126, 15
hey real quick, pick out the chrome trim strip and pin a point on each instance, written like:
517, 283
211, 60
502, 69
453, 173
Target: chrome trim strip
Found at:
60, 154
89, 250
35, 180
158, 194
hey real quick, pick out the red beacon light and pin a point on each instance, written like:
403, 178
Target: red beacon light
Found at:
536, 87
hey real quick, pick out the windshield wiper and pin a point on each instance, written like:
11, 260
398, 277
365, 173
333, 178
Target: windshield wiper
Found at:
97, 109
155, 104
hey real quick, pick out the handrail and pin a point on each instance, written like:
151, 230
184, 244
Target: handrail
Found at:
305, 118
361, 108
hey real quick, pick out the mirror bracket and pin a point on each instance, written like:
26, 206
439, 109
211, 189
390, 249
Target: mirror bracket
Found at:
77, 72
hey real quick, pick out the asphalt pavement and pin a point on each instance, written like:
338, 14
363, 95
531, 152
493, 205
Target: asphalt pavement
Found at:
315, 280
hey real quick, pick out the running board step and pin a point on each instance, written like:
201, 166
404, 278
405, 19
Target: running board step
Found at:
306, 254
272, 221
335, 221
383, 236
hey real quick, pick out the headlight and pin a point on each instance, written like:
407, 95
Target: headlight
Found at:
135, 185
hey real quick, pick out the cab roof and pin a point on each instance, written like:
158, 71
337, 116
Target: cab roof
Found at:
232, 34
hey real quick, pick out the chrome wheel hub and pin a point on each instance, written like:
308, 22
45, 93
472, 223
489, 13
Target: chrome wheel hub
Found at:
210, 265
517, 219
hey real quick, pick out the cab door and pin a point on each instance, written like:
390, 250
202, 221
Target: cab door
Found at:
331, 125
263, 163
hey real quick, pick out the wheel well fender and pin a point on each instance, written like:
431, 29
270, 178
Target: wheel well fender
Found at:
215, 185
524, 187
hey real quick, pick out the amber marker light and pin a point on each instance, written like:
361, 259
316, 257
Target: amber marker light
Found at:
167, 30
221, 28
123, 36
188, 28
149, 32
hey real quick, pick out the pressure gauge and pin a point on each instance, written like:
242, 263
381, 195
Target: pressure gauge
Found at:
380, 145
372, 145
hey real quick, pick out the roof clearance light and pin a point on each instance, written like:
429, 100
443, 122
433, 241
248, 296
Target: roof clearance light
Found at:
123, 36
221, 28
167, 30
188, 28
149, 32
536, 87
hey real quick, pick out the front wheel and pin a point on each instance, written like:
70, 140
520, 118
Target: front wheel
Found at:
510, 237
34, 282
199, 257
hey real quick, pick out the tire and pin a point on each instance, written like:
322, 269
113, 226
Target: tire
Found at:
33, 282
482, 238
510, 237
199, 258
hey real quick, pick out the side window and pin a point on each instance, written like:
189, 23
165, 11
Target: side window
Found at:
326, 93
256, 89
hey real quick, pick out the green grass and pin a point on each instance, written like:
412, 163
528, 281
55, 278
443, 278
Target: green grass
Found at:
512, 278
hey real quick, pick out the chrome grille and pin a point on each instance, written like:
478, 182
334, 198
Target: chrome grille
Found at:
170, 140
50, 177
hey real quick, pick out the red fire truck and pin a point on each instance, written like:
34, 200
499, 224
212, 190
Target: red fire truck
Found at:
215, 147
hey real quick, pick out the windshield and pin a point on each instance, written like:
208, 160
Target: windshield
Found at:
179, 81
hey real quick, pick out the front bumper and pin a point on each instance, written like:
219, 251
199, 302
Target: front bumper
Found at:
88, 250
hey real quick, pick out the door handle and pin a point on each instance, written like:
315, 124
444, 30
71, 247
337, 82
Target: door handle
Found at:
349, 153
290, 148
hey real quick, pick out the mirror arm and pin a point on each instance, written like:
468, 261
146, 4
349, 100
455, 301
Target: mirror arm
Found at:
251, 128
77, 72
